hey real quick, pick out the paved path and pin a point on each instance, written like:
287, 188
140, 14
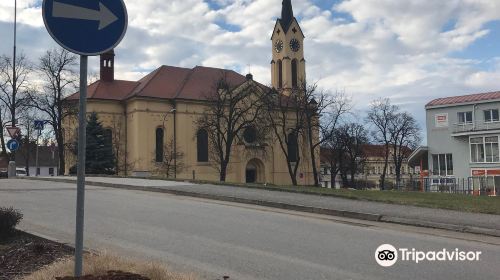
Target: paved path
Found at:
216, 238
424, 215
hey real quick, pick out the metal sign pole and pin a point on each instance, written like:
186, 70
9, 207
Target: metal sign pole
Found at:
68, 24
36, 160
80, 194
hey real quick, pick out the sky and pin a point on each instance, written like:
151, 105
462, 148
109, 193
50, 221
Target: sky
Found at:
411, 51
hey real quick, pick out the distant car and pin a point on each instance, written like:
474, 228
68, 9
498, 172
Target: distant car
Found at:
21, 172
3, 174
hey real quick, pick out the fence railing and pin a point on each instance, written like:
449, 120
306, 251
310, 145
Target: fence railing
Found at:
477, 126
468, 186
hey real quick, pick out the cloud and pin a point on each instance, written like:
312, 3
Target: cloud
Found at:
401, 49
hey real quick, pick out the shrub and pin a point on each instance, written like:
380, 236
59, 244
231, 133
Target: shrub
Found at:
9, 219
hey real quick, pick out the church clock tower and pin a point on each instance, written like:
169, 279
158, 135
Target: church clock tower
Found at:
288, 67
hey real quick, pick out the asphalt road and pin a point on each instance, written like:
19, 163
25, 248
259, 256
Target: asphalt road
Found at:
245, 242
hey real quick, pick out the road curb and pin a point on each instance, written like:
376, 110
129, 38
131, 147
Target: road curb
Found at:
450, 227
293, 207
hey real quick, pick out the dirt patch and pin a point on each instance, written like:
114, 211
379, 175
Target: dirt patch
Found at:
103, 264
22, 254
110, 275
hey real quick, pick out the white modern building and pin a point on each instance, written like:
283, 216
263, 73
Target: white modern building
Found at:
462, 143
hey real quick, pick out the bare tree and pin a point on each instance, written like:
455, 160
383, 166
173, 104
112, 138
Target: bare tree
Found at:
352, 138
405, 133
230, 110
286, 118
323, 112
172, 161
122, 162
381, 115
29, 140
332, 154
57, 67
3, 116
13, 88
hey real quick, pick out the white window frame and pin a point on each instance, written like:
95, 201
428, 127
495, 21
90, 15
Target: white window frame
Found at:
445, 165
484, 149
491, 115
465, 117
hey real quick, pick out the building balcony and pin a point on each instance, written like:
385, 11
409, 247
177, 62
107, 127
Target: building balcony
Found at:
465, 129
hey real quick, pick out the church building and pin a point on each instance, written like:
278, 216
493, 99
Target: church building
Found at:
160, 111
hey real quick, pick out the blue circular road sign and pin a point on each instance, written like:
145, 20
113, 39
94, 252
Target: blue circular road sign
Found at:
90, 27
13, 145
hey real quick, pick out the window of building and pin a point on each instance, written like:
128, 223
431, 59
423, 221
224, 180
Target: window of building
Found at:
295, 78
51, 171
280, 73
465, 117
477, 149
491, 148
484, 149
250, 135
202, 145
159, 144
442, 165
491, 115
108, 137
292, 147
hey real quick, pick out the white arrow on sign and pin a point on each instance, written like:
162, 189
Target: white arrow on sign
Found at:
104, 15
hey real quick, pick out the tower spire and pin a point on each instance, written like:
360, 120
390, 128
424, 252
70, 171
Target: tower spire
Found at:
286, 14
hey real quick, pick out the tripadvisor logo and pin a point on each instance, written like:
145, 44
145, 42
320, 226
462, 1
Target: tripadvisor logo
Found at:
387, 255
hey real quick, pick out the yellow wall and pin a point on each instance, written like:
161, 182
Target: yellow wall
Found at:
138, 127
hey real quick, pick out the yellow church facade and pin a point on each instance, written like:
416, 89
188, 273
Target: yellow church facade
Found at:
161, 111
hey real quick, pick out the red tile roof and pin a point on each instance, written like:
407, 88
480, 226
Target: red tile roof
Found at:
369, 150
116, 90
166, 82
464, 99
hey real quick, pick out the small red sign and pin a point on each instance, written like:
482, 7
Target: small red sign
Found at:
493, 172
13, 131
480, 172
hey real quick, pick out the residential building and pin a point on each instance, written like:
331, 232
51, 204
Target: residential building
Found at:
372, 167
143, 116
48, 160
462, 141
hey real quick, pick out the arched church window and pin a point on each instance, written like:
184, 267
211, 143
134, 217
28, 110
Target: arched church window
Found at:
293, 147
202, 145
280, 73
159, 144
108, 137
295, 81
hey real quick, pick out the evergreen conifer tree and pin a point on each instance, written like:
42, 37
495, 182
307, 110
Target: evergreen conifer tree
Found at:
100, 158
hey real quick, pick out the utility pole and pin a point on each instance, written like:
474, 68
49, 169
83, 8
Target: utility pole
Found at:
14, 78
12, 162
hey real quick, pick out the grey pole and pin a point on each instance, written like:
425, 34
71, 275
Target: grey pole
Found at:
36, 161
80, 193
12, 162
14, 78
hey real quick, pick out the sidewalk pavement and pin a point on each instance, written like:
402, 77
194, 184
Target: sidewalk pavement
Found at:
358, 209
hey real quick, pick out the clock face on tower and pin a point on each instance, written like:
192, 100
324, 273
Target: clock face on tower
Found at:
278, 46
295, 45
